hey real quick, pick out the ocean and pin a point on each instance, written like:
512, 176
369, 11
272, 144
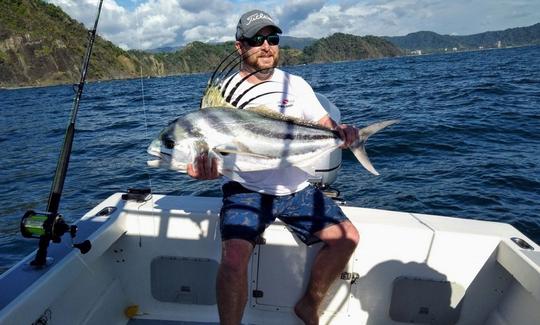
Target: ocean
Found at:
467, 145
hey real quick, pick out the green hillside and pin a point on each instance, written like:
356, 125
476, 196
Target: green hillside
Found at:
345, 47
40, 44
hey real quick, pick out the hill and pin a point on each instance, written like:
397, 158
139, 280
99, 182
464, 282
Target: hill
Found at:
433, 42
346, 47
40, 44
299, 43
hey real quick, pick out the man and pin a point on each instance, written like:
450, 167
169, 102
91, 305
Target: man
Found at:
250, 206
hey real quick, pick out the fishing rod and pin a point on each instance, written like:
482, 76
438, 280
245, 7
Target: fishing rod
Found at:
50, 225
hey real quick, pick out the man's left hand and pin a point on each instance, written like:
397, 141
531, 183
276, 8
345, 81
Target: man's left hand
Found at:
348, 133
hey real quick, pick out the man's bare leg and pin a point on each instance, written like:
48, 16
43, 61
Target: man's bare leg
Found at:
340, 241
231, 283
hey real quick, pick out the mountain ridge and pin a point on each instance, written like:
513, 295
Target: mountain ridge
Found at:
430, 42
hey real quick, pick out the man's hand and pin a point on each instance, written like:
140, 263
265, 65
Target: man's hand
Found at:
204, 168
347, 133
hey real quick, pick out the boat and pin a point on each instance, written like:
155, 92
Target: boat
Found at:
154, 260
142, 258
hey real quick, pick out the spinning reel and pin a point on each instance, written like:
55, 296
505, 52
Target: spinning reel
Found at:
47, 226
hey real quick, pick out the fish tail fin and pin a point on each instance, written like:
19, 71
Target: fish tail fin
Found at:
358, 148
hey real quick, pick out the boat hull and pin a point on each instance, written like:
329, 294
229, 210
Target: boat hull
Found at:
157, 260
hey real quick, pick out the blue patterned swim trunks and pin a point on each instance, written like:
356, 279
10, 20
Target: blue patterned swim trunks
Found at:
246, 214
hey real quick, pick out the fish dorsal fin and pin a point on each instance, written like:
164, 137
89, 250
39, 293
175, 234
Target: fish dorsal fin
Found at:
213, 98
217, 92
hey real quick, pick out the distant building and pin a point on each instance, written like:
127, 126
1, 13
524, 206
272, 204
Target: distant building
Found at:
454, 49
416, 52
499, 44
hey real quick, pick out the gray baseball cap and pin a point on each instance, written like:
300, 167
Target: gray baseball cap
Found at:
253, 21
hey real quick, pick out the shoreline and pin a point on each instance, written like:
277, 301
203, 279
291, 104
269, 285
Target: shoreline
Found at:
92, 81
194, 73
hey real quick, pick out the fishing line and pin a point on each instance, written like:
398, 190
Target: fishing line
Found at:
141, 78
432, 236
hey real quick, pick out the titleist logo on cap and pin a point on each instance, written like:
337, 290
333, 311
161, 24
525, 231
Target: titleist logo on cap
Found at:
256, 17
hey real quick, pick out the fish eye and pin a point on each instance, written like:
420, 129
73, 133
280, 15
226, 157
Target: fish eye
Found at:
167, 142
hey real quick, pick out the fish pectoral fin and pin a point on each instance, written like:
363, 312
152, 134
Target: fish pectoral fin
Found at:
230, 149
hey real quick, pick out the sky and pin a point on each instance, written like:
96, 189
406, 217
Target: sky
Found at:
150, 24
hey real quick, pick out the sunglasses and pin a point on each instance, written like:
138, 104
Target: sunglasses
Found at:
258, 40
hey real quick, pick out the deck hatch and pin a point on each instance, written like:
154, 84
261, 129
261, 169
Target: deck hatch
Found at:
425, 301
184, 280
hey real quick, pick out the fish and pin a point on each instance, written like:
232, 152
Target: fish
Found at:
251, 140
248, 140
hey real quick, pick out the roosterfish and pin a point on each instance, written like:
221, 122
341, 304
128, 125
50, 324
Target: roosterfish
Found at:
245, 140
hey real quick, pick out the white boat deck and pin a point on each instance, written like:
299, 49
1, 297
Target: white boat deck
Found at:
162, 256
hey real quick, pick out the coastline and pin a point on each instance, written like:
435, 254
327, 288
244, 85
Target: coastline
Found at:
93, 81
10, 87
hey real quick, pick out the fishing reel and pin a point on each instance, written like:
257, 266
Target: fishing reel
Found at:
47, 226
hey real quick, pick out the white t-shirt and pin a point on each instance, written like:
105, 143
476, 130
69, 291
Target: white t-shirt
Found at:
290, 95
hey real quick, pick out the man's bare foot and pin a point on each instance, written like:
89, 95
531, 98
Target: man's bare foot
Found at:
307, 311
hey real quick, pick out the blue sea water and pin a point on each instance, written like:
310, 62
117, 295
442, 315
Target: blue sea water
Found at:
467, 145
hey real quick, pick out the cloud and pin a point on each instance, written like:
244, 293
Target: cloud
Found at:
156, 23
147, 24
366, 18
400, 17
296, 11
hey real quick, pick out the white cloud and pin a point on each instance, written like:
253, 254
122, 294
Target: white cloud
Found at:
296, 11
155, 23
399, 17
